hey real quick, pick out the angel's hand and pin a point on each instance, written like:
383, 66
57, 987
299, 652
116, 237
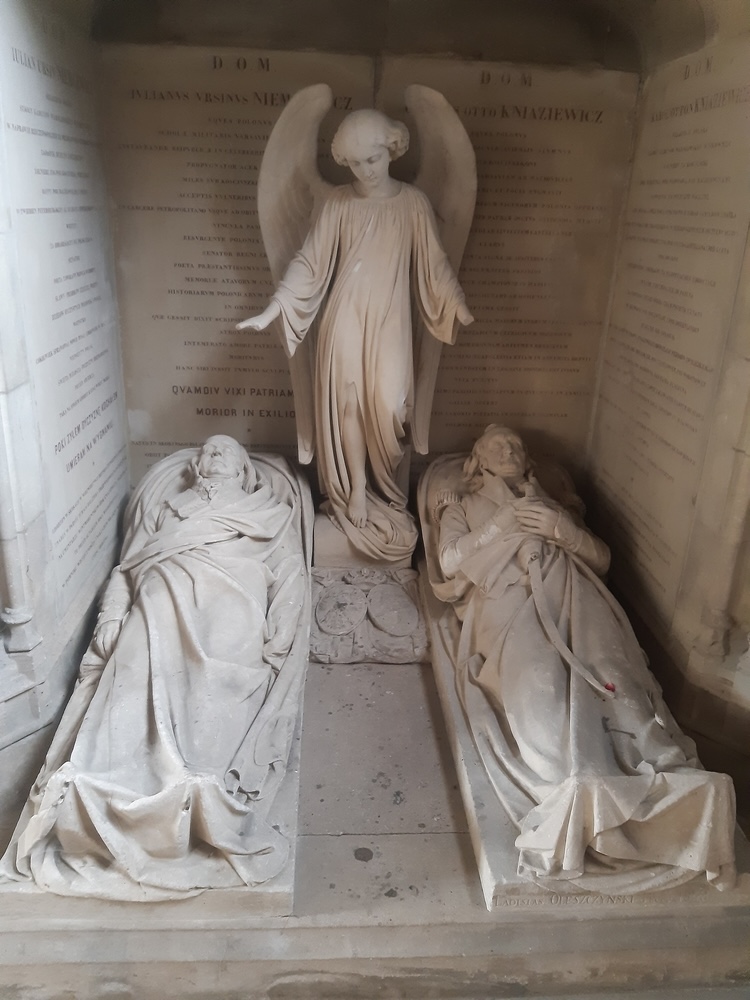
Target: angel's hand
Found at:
463, 315
106, 636
264, 319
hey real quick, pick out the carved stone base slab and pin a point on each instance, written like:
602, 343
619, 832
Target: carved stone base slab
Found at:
367, 615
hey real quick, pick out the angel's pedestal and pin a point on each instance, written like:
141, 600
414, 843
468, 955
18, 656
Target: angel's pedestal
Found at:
332, 549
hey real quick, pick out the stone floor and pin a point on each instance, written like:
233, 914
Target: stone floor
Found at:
387, 900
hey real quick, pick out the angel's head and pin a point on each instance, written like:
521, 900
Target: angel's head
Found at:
366, 141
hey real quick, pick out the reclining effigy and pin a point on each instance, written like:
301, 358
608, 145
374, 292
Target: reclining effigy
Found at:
575, 753
162, 775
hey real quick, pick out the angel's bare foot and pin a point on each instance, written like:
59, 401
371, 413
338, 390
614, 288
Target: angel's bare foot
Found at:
357, 509
727, 878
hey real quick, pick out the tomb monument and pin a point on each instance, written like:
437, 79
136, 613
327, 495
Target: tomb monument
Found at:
606, 270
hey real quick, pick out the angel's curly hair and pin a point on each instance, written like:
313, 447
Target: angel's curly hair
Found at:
473, 467
392, 134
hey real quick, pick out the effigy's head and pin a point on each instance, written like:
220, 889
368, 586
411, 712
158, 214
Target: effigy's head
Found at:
363, 132
499, 451
221, 457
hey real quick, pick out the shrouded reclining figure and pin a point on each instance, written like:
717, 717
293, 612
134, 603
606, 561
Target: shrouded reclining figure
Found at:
159, 779
604, 791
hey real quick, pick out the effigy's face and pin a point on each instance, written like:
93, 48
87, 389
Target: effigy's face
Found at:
504, 455
368, 159
220, 458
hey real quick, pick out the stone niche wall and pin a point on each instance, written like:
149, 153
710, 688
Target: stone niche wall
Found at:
63, 463
669, 434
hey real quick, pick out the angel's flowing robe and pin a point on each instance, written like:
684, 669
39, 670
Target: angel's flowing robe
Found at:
365, 264
605, 791
158, 779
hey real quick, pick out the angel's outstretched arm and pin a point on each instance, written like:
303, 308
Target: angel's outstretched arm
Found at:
290, 191
262, 320
306, 282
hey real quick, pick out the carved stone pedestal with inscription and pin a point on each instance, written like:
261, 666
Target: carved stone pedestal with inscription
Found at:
362, 611
367, 614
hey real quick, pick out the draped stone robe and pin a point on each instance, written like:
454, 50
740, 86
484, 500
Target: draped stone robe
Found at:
365, 264
604, 789
158, 779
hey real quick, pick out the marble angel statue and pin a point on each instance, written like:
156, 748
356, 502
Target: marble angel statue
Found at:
159, 780
365, 304
601, 789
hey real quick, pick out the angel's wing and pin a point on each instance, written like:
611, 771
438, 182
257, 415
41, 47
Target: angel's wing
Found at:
290, 186
448, 176
290, 193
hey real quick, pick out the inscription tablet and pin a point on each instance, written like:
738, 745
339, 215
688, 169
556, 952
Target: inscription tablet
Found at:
186, 132
552, 149
59, 227
683, 243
